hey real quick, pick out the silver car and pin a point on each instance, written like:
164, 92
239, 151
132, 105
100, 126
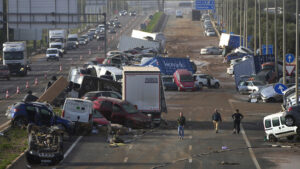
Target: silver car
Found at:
249, 86
268, 94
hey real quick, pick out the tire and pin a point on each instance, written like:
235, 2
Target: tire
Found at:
31, 159
272, 138
290, 137
20, 122
129, 124
289, 121
217, 85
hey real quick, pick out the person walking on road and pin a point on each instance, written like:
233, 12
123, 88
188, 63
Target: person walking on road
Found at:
181, 124
216, 118
237, 117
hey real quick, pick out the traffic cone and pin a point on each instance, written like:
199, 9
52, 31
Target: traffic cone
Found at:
60, 68
90, 52
80, 58
18, 90
7, 95
27, 85
36, 82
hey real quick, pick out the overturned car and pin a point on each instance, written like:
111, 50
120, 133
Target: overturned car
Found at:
45, 145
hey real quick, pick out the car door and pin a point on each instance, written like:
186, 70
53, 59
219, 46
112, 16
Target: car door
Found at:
118, 116
106, 109
45, 116
276, 126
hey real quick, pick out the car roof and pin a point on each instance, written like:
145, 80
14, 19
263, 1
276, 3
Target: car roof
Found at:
114, 100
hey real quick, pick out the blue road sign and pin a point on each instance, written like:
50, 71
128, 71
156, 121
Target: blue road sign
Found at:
280, 88
270, 49
205, 4
289, 58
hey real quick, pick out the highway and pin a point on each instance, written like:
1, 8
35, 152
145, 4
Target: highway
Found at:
40, 66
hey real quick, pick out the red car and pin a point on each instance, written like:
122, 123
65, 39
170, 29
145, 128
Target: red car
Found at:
184, 80
121, 112
99, 119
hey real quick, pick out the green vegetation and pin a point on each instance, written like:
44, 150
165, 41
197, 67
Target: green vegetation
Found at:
154, 21
12, 145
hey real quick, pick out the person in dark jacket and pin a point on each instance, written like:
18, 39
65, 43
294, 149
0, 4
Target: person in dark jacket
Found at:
181, 124
237, 117
29, 97
216, 118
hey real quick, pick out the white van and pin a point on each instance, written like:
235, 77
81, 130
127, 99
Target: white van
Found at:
78, 110
275, 127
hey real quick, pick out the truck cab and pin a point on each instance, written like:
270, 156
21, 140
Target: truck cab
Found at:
15, 57
58, 36
59, 46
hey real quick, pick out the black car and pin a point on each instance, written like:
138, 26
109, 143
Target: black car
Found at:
45, 145
4, 72
95, 94
292, 116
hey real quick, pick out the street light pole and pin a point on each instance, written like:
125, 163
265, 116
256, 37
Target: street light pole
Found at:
241, 13
284, 45
297, 51
275, 43
267, 27
244, 32
259, 28
255, 16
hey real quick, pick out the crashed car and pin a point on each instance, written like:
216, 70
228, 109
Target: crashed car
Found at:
45, 145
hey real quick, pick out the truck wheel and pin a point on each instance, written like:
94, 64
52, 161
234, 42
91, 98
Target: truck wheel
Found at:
217, 85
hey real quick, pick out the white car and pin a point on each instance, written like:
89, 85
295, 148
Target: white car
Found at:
210, 32
275, 127
52, 54
249, 86
204, 80
113, 52
243, 50
211, 50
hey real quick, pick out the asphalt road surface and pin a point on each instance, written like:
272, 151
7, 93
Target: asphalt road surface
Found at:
201, 147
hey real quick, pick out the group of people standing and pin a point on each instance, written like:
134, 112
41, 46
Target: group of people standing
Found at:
216, 119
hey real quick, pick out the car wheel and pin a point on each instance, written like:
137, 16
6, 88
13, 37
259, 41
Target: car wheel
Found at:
289, 121
272, 138
290, 137
271, 100
31, 159
20, 122
217, 85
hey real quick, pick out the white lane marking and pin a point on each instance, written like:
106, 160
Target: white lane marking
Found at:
191, 137
190, 160
73, 146
250, 149
190, 147
125, 159
130, 146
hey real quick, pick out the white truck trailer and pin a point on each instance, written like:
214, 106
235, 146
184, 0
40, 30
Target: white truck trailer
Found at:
15, 57
142, 87
158, 36
58, 38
